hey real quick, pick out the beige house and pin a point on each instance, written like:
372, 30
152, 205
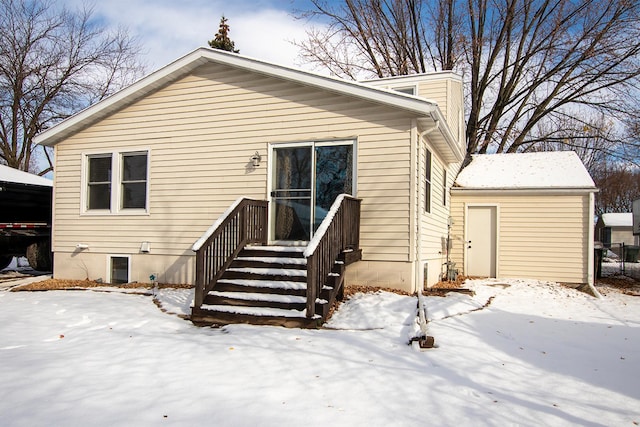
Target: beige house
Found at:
142, 175
526, 215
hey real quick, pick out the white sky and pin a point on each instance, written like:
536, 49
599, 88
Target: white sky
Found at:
167, 29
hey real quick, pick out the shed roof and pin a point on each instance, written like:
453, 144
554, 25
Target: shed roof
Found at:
9, 174
427, 112
623, 219
540, 170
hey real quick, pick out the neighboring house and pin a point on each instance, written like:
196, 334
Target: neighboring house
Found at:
142, 175
524, 215
615, 229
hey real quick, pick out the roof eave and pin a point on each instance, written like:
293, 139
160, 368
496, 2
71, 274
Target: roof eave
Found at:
443, 140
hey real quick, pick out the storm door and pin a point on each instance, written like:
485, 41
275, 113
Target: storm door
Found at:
306, 179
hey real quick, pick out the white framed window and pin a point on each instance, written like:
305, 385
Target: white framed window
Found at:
409, 90
427, 181
444, 187
115, 182
119, 269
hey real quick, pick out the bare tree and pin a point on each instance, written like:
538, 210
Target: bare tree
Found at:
527, 62
384, 38
619, 186
54, 62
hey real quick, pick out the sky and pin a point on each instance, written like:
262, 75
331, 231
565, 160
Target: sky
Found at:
168, 30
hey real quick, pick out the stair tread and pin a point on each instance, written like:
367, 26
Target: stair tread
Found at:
274, 260
257, 311
277, 284
270, 271
255, 296
276, 248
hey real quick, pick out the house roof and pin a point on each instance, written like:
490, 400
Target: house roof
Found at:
624, 219
9, 174
543, 170
427, 112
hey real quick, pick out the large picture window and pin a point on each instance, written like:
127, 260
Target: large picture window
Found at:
116, 182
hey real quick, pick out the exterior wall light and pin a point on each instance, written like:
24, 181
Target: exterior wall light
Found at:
256, 159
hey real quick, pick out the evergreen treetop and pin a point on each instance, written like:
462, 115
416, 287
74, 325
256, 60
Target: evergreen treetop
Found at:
222, 40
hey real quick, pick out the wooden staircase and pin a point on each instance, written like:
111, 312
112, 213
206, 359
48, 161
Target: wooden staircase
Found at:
240, 279
267, 285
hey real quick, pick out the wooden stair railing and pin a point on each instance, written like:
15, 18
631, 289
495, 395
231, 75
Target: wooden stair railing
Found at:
244, 222
339, 232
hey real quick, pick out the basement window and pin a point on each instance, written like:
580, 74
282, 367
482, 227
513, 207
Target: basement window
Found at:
119, 269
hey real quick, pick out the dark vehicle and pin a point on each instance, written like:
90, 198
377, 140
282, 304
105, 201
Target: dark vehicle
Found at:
25, 218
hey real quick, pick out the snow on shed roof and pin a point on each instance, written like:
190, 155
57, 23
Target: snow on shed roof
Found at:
624, 219
557, 169
9, 174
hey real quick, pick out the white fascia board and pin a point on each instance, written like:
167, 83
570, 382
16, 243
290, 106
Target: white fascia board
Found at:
201, 56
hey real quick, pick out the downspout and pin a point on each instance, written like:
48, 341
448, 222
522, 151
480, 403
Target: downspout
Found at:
421, 137
590, 249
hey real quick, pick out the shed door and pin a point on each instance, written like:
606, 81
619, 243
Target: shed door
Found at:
481, 241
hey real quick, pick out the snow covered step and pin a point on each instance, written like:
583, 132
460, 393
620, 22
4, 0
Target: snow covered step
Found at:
270, 271
255, 311
276, 260
270, 262
256, 299
223, 315
259, 296
298, 249
262, 286
269, 274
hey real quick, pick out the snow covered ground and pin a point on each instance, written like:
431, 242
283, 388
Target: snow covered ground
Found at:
538, 354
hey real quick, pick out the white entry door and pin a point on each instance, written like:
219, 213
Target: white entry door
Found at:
481, 240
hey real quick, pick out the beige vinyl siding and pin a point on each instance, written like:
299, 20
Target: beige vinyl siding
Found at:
201, 132
539, 236
433, 225
447, 93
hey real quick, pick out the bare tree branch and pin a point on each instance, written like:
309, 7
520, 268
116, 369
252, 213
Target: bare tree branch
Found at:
527, 62
54, 62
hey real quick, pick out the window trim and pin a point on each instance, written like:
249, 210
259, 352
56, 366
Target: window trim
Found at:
116, 182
